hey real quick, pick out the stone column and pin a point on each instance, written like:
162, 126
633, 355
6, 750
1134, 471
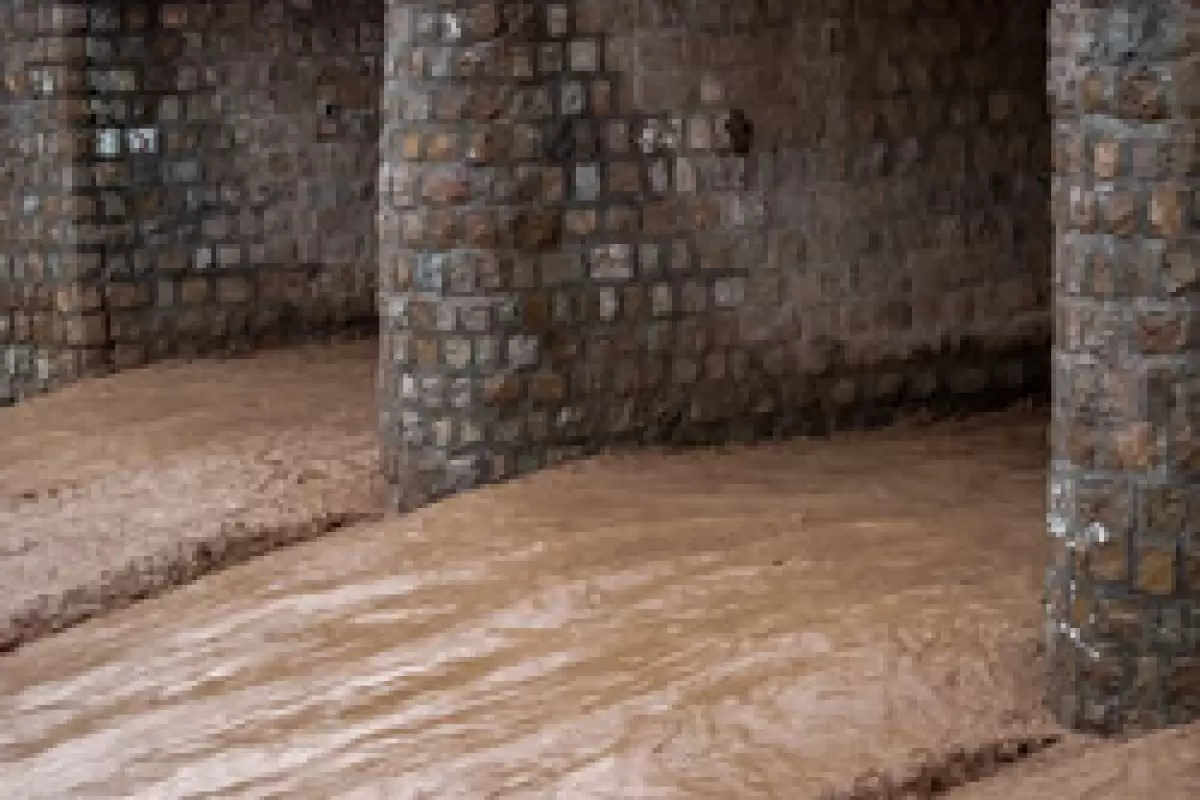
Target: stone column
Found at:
1123, 591
470, 186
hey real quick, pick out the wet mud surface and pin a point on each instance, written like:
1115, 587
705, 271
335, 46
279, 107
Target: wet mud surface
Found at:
118, 488
773, 621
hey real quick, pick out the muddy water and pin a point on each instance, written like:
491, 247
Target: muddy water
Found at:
748, 623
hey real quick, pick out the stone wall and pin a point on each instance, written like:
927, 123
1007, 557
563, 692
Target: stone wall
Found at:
687, 221
212, 168
245, 143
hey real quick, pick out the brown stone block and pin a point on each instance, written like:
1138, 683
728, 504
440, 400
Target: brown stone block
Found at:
622, 219
1109, 560
633, 300
1120, 212
442, 147
22, 328
234, 290
1068, 153
1183, 682
547, 388
412, 147
47, 328
127, 295
537, 316
1191, 565
660, 217
1185, 449
537, 230
66, 299
624, 177
1082, 210
1181, 271
422, 316
1140, 95
483, 20
1163, 331
1156, 571
87, 330
481, 148
189, 321
447, 188
1107, 503
428, 353
1168, 212
580, 222
412, 228
601, 97
481, 229
1101, 275
1107, 159
502, 389
401, 274
1105, 674
1093, 92
443, 229
1118, 619
1163, 512
1135, 447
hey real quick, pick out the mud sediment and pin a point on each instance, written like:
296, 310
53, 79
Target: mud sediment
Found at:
119, 489
234, 543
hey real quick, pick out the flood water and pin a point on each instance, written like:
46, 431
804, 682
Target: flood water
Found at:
746, 623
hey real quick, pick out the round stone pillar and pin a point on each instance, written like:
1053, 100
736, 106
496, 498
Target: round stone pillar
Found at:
470, 186
1123, 591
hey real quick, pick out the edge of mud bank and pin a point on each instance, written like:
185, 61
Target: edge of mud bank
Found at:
933, 775
153, 575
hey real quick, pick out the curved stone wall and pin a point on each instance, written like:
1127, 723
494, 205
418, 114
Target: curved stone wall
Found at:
691, 221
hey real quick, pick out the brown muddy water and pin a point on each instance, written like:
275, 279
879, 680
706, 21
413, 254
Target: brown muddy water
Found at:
746, 623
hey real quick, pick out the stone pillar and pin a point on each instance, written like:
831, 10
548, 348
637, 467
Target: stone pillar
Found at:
470, 186
1123, 591
51, 328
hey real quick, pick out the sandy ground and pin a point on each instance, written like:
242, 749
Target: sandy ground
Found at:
113, 489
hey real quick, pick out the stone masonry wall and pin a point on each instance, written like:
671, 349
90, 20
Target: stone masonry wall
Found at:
691, 220
1123, 592
242, 145
182, 178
